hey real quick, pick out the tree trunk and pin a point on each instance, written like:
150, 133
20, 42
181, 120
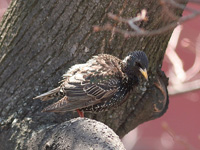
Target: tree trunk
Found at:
40, 40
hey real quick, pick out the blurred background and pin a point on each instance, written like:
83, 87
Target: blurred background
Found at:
179, 128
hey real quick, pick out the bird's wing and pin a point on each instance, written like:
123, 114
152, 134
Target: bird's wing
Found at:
81, 96
88, 84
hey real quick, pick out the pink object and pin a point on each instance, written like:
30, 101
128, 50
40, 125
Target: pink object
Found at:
3, 6
183, 112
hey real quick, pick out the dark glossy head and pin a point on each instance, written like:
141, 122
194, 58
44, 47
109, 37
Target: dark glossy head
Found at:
136, 63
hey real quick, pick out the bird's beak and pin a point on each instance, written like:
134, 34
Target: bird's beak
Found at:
144, 73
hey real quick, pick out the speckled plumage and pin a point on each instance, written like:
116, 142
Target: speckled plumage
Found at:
102, 82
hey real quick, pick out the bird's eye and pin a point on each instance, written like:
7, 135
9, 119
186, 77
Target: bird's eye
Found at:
138, 64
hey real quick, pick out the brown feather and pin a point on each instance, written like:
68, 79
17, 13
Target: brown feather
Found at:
86, 84
49, 95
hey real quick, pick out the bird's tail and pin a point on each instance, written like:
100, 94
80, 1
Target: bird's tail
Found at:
49, 95
59, 106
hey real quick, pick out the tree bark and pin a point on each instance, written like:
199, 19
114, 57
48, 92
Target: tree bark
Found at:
40, 40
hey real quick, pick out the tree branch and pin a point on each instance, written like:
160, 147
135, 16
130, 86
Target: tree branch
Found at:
142, 17
184, 87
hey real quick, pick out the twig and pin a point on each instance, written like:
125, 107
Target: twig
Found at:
194, 70
161, 30
131, 22
142, 17
184, 87
120, 13
166, 10
181, 6
175, 59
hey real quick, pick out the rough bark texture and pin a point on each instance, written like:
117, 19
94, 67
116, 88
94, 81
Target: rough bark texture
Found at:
40, 40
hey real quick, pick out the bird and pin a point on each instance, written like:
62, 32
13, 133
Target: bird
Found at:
102, 83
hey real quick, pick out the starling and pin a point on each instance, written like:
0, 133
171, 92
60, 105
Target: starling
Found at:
102, 82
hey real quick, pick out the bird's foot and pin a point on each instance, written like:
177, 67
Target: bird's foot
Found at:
80, 113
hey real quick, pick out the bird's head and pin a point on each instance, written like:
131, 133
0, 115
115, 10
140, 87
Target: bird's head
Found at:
136, 63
